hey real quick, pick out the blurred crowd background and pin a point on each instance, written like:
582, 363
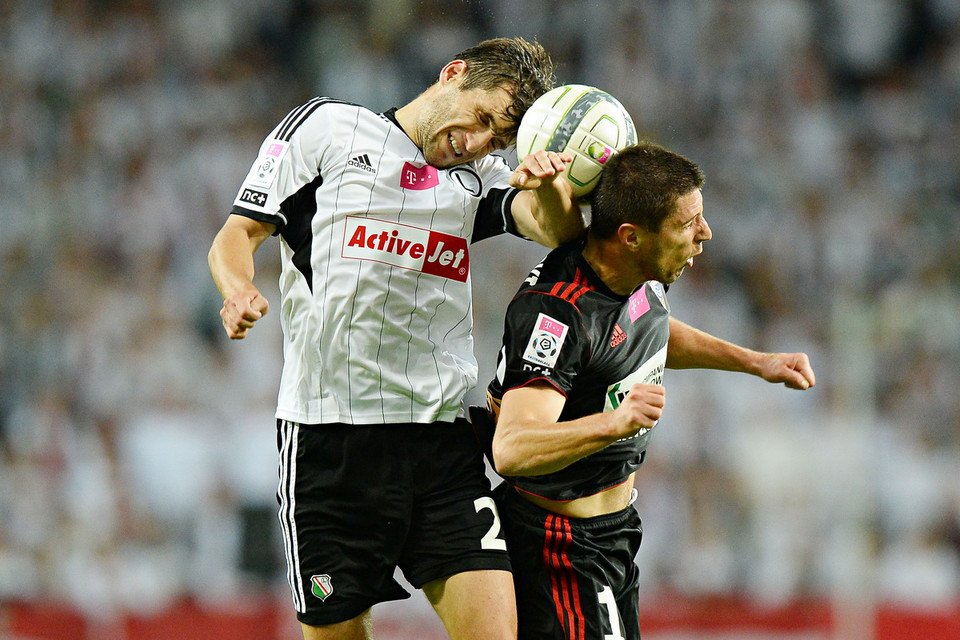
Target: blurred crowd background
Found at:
137, 444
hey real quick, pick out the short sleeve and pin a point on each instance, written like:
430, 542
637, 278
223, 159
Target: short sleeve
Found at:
544, 339
288, 159
494, 215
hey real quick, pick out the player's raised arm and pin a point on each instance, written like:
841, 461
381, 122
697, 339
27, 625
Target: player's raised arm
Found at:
691, 348
546, 211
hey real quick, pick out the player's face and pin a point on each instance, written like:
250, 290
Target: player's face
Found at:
681, 237
460, 126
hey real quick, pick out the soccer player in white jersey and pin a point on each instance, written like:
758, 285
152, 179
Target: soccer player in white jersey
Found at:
375, 213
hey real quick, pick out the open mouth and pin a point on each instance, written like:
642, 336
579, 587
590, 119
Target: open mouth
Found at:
453, 144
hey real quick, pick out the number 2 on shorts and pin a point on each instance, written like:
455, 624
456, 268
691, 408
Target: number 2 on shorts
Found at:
490, 539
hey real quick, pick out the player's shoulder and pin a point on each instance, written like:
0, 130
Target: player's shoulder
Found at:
325, 104
561, 276
558, 299
561, 292
321, 111
492, 161
659, 291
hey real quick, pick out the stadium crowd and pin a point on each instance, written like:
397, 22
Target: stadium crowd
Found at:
137, 443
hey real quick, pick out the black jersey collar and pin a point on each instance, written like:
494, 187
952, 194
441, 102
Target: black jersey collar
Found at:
589, 274
391, 115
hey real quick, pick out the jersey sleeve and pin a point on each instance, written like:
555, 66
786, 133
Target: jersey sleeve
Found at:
544, 340
494, 215
288, 159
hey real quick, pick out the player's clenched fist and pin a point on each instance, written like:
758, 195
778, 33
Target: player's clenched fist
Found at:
240, 312
641, 407
792, 369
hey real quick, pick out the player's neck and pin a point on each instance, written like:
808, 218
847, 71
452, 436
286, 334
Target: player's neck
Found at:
406, 118
613, 265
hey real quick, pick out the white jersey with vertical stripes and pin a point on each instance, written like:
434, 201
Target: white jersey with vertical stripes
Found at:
375, 299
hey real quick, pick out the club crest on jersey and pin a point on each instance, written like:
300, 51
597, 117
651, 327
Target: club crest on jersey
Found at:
660, 292
321, 586
545, 342
419, 178
265, 170
468, 179
401, 245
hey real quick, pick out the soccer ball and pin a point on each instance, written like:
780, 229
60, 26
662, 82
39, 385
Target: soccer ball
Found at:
584, 121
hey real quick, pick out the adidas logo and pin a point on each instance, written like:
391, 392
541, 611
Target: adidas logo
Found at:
619, 335
362, 161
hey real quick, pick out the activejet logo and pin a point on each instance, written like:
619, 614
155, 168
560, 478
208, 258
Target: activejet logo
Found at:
407, 247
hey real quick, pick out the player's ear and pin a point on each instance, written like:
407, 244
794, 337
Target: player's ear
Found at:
452, 70
630, 235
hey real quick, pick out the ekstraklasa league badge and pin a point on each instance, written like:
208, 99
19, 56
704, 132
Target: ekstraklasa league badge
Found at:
321, 586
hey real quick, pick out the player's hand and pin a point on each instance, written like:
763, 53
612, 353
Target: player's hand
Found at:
642, 407
539, 168
241, 311
792, 369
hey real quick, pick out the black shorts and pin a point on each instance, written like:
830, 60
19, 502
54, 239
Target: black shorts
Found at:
356, 502
575, 578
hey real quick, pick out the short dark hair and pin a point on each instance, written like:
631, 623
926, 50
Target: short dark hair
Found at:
523, 68
641, 185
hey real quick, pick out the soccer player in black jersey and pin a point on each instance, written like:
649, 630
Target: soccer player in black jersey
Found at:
579, 391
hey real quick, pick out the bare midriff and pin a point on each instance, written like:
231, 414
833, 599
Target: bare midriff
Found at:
607, 501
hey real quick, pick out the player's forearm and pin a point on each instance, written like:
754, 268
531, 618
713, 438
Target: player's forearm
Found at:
532, 448
558, 213
231, 261
549, 214
690, 348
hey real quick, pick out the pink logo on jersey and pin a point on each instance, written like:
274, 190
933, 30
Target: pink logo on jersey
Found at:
639, 304
419, 178
401, 245
276, 149
551, 326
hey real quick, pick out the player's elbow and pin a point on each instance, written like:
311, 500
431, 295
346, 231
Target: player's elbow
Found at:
212, 258
505, 460
501, 461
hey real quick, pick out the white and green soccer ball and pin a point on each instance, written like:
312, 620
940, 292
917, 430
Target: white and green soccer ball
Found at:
584, 121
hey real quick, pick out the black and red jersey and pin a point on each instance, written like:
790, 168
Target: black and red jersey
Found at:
565, 327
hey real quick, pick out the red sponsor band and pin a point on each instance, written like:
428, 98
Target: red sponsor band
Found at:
408, 247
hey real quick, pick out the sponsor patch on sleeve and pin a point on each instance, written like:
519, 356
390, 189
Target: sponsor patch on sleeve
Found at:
546, 339
264, 172
254, 197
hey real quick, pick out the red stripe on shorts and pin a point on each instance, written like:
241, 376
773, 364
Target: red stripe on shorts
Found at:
563, 579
